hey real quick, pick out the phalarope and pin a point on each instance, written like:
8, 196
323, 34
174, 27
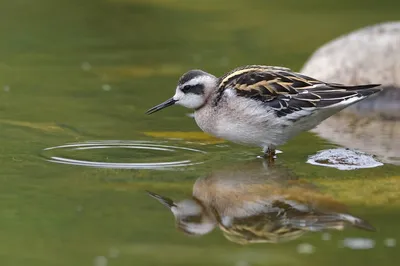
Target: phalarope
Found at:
252, 205
261, 106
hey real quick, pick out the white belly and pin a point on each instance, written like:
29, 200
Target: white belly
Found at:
245, 124
246, 133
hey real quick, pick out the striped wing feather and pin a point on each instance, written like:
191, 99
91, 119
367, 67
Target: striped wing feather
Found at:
287, 91
285, 222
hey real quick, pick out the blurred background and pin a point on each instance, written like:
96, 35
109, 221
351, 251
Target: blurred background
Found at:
76, 71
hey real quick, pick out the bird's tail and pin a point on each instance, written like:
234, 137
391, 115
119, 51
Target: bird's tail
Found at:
339, 96
362, 90
357, 222
323, 221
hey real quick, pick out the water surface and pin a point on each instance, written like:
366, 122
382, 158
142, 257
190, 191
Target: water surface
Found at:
78, 71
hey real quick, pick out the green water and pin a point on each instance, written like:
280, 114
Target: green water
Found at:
75, 71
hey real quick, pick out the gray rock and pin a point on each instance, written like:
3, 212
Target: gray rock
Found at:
367, 55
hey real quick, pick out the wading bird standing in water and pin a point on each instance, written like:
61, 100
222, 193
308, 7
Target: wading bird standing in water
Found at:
262, 106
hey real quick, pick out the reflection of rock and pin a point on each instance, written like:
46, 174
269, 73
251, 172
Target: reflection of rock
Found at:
374, 136
251, 204
368, 55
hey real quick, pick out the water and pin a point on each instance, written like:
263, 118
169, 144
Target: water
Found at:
84, 72
137, 145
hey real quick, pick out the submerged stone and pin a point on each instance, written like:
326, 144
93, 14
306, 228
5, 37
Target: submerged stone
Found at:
343, 159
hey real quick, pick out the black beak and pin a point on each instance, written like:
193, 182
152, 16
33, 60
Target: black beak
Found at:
156, 108
163, 200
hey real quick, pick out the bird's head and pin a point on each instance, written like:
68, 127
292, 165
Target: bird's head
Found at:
190, 215
192, 91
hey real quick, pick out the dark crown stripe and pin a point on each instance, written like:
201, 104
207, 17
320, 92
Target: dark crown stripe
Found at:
191, 75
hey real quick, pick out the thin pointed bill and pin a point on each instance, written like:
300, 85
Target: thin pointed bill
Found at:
163, 200
157, 108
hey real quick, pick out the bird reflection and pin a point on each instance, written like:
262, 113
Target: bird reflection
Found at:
251, 204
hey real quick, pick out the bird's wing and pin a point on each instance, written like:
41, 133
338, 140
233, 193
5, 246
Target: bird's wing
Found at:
288, 92
259, 229
262, 221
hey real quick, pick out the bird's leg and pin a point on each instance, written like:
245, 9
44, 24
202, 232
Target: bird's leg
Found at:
269, 154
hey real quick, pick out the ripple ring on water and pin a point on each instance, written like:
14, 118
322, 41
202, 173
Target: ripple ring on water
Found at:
112, 144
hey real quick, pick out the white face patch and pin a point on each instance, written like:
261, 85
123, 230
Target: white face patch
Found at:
200, 229
189, 100
192, 208
194, 100
189, 207
178, 95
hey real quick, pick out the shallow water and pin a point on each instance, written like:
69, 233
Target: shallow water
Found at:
138, 146
84, 72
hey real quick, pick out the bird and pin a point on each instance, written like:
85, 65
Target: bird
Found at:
263, 106
251, 205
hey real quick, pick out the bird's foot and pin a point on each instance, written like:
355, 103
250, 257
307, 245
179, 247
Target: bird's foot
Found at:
269, 156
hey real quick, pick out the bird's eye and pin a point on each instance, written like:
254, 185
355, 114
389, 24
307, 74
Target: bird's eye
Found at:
186, 88
194, 89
